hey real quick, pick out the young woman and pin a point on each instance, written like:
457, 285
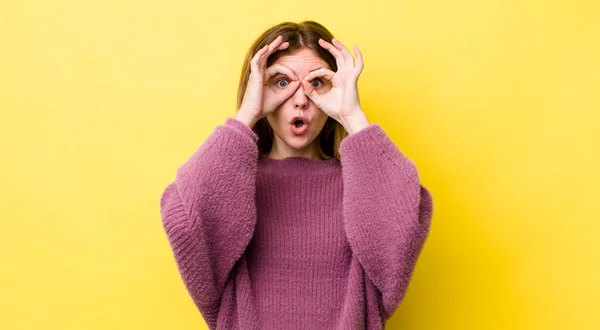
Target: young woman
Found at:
297, 213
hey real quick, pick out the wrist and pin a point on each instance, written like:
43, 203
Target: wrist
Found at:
355, 122
245, 118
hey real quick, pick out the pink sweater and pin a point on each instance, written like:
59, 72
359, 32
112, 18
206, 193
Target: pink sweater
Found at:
296, 243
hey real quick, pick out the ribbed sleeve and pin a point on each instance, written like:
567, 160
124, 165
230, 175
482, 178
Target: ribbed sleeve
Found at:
387, 212
209, 212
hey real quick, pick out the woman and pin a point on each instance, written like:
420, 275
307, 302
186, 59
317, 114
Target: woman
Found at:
297, 213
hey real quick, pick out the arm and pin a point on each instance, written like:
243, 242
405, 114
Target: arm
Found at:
387, 212
209, 212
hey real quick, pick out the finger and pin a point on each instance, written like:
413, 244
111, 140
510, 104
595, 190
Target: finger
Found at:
322, 73
255, 60
358, 67
277, 97
310, 91
272, 47
290, 89
339, 58
278, 68
283, 46
275, 43
339, 46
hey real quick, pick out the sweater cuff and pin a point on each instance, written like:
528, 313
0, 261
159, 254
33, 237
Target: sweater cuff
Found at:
365, 138
370, 142
242, 128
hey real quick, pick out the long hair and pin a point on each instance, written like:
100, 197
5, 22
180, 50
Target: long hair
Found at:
299, 35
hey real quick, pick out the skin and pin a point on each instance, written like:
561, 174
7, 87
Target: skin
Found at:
302, 83
301, 63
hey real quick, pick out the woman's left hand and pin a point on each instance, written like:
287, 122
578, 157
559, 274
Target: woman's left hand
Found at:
341, 101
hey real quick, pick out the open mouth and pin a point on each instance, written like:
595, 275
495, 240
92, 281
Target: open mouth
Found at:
299, 121
299, 125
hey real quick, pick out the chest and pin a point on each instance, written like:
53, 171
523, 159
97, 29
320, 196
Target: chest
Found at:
300, 222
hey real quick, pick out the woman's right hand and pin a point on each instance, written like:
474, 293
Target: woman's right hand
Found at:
263, 94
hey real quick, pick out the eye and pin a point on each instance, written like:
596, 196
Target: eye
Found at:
282, 83
316, 83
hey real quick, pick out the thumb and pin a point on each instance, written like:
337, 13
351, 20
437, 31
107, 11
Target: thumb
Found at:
282, 95
291, 88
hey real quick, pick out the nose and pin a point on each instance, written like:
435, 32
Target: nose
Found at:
300, 99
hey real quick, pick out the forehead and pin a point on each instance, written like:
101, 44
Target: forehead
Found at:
302, 61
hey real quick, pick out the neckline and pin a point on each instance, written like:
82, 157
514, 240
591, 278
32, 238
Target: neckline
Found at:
297, 164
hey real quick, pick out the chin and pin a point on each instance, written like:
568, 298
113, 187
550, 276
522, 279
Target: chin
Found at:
298, 143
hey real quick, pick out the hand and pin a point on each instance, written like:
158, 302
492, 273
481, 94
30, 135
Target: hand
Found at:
262, 95
341, 101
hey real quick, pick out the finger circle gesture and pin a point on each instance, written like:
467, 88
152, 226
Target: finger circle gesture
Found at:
341, 100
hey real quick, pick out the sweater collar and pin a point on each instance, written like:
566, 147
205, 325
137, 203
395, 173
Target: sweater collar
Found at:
298, 165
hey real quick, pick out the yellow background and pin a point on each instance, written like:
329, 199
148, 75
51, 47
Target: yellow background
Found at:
496, 101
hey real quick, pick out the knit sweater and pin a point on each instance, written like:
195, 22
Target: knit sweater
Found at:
295, 243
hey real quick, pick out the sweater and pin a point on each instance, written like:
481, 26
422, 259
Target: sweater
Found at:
295, 243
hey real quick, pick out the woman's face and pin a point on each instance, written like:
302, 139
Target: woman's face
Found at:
294, 139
